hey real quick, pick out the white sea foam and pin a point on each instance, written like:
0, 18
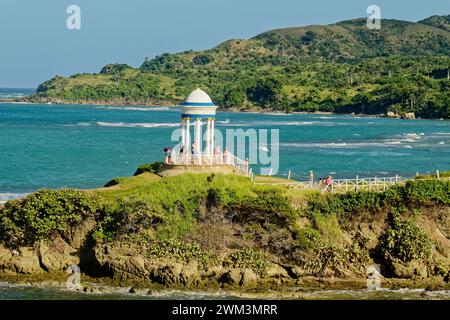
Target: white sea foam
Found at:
79, 124
11, 196
137, 125
410, 137
134, 108
345, 145
324, 117
278, 123
277, 114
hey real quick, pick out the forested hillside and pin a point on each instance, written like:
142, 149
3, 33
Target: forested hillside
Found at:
343, 67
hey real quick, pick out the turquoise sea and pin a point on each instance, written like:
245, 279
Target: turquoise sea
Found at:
58, 146
85, 146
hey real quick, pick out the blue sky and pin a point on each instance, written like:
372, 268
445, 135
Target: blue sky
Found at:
35, 44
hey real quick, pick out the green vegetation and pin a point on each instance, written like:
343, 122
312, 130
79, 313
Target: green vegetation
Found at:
181, 251
155, 167
343, 67
248, 258
405, 241
43, 213
414, 193
445, 174
228, 221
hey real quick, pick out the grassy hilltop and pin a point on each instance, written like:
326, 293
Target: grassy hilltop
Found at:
342, 67
222, 230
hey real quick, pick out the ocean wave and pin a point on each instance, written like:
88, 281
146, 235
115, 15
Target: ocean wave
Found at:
343, 145
11, 95
11, 196
79, 124
134, 108
414, 135
278, 123
277, 114
137, 125
125, 124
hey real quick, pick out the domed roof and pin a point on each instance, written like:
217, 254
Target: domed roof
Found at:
198, 98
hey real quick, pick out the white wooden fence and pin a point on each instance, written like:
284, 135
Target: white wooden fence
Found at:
343, 185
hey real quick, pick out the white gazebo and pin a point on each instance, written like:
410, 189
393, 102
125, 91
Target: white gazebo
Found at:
198, 109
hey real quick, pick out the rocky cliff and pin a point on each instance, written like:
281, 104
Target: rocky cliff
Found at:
240, 235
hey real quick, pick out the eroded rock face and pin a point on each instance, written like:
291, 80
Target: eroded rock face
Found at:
21, 261
168, 273
249, 278
57, 256
48, 255
76, 236
408, 270
276, 271
231, 277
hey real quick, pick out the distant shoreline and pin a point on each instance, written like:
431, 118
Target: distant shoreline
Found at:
174, 104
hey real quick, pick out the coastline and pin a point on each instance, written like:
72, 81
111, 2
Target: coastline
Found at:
175, 104
235, 259
307, 289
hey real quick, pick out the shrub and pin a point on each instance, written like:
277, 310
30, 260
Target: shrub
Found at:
270, 205
307, 237
427, 192
129, 217
347, 203
413, 193
405, 241
176, 225
247, 258
154, 167
180, 251
328, 226
37, 216
202, 59
445, 174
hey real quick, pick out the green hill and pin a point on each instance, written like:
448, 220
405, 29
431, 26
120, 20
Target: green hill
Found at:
342, 67
442, 22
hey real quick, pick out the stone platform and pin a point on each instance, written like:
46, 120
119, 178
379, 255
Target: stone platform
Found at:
173, 170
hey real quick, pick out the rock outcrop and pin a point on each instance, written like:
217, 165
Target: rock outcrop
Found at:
392, 115
48, 255
409, 116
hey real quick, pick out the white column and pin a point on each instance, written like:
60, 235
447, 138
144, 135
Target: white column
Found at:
198, 138
208, 141
183, 132
212, 136
188, 139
